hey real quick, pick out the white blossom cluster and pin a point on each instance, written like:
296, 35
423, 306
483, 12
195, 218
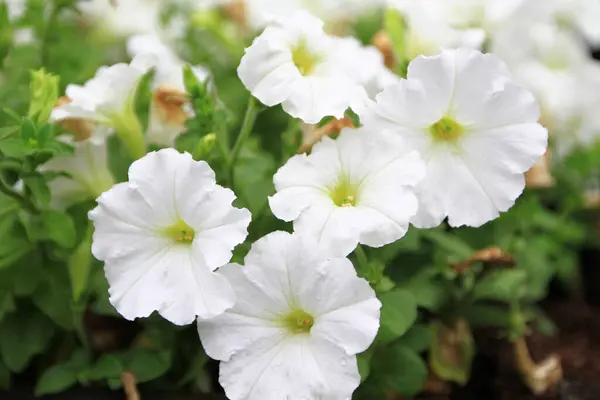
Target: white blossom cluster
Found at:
450, 141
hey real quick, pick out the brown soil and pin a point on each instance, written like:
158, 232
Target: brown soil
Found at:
577, 344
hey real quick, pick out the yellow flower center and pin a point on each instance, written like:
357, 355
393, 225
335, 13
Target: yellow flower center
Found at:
180, 232
446, 130
303, 58
344, 194
298, 321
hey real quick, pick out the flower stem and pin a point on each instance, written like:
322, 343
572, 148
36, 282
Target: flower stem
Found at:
130, 133
363, 260
249, 120
23, 201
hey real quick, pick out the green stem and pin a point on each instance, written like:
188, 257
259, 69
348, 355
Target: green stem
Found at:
130, 133
23, 201
363, 260
249, 120
79, 326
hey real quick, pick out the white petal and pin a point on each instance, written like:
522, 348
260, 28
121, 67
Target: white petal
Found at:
345, 308
315, 97
169, 280
295, 368
218, 225
267, 69
170, 180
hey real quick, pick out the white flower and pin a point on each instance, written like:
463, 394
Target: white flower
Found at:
169, 108
299, 320
89, 175
108, 99
365, 65
161, 236
582, 14
16, 9
123, 17
429, 29
351, 190
554, 63
260, 13
293, 63
476, 130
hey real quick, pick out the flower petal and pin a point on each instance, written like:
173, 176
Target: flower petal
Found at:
295, 368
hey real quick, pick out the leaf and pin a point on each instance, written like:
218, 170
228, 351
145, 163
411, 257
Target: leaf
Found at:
79, 266
53, 297
108, 366
452, 351
38, 186
449, 243
395, 27
58, 227
400, 370
24, 334
398, 314
7, 303
418, 338
4, 377
147, 365
61, 377
501, 285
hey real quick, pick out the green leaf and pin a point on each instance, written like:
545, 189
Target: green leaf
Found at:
53, 297
501, 285
452, 351
7, 303
399, 370
449, 243
395, 26
6, 31
58, 227
418, 338
61, 377
38, 186
79, 266
108, 366
4, 377
398, 314
43, 90
147, 365
24, 334
56, 379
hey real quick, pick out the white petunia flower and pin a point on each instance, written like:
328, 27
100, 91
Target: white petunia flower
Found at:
293, 63
161, 236
476, 130
124, 17
169, 108
89, 174
299, 320
108, 99
351, 190
429, 29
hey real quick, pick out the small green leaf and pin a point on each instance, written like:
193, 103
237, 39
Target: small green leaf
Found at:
108, 366
147, 365
24, 334
56, 379
395, 26
501, 285
399, 370
7, 303
61, 377
38, 186
43, 91
4, 377
398, 314
79, 265
58, 227
450, 243
418, 338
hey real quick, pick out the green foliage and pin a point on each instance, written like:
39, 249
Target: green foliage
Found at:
55, 316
